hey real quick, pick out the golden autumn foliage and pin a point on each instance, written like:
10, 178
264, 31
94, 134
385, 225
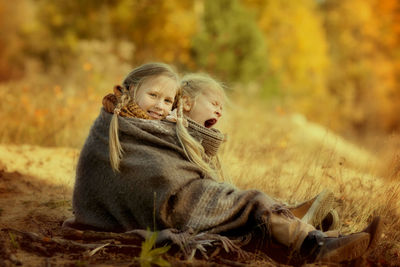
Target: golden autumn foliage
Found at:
229, 43
160, 30
297, 51
363, 37
11, 43
337, 62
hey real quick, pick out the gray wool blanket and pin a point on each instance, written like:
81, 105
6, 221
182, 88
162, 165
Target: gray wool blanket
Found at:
157, 187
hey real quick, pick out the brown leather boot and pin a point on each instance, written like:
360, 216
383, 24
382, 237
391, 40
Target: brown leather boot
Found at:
374, 229
346, 248
319, 248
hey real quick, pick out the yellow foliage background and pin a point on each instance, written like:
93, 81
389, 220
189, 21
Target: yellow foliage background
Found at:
336, 62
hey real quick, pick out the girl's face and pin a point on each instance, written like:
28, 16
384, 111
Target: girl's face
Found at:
156, 96
206, 109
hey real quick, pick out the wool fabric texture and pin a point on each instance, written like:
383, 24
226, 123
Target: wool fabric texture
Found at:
157, 186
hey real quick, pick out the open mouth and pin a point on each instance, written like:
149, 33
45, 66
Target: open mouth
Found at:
209, 123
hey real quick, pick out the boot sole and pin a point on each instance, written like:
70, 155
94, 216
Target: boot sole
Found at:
350, 251
321, 206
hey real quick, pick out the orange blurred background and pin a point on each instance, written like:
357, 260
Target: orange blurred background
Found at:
336, 62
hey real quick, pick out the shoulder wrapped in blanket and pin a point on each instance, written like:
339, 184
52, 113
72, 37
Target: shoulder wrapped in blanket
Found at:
157, 186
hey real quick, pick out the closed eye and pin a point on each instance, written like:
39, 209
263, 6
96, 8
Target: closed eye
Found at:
217, 105
153, 94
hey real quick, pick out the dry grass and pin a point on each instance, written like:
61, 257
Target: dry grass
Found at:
292, 159
279, 153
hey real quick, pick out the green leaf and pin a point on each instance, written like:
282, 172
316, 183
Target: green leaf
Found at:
152, 256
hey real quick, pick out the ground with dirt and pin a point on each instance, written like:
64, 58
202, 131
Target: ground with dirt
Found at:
35, 198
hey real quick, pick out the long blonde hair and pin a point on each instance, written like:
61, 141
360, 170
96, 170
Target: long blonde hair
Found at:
192, 85
131, 84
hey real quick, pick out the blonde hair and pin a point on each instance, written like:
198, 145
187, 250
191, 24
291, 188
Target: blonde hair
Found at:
131, 84
192, 85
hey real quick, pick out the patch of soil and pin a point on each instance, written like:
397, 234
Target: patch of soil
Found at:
31, 214
29, 204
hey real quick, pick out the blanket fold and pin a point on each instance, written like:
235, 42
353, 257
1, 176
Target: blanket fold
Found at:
157, 187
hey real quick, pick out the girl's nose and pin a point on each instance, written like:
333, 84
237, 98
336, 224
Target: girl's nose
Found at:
159, 104
218, 113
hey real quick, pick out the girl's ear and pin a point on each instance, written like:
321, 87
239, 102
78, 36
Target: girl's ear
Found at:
187, 104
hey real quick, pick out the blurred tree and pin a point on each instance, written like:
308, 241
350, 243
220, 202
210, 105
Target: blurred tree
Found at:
297, 51
387, 62
229, 42
160, 30
11, 41
54, 35
364, 37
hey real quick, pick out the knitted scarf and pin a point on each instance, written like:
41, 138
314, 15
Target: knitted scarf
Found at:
131, 109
